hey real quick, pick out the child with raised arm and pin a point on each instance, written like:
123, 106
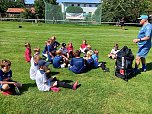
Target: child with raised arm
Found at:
34, 67
59, 61
7, 85
46, 84
36, 52
27, 53
114, 51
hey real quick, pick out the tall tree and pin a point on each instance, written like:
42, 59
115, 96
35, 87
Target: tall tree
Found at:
112, 10
39, 8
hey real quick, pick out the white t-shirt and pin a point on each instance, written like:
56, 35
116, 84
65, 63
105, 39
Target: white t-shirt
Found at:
113, 51
33, 70
41, 81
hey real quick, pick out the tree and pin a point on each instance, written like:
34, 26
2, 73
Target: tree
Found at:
74, 9
39, 8
27, 14
113, 10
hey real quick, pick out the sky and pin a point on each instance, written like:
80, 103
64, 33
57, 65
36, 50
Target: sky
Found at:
32, 1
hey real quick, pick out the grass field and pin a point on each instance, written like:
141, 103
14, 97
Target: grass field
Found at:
100, 92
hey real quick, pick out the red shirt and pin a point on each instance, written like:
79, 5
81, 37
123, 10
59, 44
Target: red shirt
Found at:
27, 54
70, 48
83, 46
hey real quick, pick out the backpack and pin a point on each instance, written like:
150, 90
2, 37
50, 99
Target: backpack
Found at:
124, 60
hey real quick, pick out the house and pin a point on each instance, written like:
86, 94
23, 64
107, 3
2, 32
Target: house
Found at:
88, 6
15, 12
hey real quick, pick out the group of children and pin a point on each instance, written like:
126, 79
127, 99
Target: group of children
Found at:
62, 57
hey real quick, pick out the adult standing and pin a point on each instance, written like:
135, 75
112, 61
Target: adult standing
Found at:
144, 42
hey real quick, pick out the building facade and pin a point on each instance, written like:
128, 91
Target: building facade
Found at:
89, 7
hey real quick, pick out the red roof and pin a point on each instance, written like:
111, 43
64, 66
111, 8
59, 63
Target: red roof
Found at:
15, 10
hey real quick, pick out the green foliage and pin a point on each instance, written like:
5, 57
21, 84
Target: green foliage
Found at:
51, 2
113, 10
98, 13
53, 12
74, 9
5, 4
39, 9
27, 14
100, 92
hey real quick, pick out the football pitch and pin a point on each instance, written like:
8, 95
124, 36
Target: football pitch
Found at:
100, 92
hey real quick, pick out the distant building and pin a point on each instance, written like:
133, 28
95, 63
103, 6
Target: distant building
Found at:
15, 12
87, 6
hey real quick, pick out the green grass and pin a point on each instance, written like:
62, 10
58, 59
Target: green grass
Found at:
100, 92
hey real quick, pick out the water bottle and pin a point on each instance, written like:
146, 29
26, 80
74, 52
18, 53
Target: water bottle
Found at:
122, 66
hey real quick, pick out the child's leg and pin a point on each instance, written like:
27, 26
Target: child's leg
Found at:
65, 85
5, 87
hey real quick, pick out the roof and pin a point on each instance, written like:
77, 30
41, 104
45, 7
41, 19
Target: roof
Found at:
15, 10
80, 1
19, 10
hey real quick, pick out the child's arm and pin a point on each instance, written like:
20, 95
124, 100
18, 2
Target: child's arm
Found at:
5, 82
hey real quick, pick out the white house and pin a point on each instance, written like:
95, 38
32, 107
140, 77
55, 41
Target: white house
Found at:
88, 6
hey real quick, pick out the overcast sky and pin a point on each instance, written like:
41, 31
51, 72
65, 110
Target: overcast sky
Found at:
32, 1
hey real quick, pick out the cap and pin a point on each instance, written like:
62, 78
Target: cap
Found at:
143, 17
63, 44
43, 63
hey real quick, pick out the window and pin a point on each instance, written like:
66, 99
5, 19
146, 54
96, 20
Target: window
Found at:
78, 4
90, 5
72, 5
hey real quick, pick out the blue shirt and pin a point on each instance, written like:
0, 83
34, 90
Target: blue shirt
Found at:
50, 48
6, 75
45, 50
77, 64
95, 58
145, 31
57, 61
90, 62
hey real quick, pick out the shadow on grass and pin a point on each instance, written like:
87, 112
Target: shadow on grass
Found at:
149, 66
25, 87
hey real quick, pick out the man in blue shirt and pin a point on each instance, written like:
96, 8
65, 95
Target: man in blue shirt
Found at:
144, 42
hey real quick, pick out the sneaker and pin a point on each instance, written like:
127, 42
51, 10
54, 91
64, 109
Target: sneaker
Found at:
144, 69
55, 89
75, 85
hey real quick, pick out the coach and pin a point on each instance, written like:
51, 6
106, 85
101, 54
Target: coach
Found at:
144, 42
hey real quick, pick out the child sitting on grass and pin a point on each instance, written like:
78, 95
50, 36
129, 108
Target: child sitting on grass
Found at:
70, 49
114, 51
47, 84
83, 46
89, 60
59, 61
27, 53
64, 50
55, 43
36, 52
7, 85
95, 58
77, 64
34, 67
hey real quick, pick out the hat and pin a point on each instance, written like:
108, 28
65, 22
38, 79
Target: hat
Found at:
43, 63
63, 44
143, 17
